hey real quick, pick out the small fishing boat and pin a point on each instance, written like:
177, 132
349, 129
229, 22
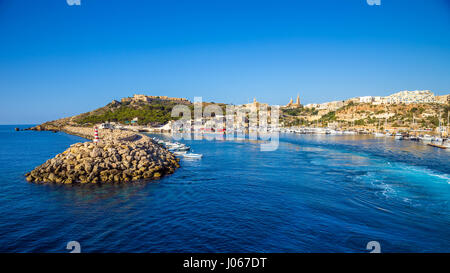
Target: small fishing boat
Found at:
437, 146
178, 148
398, 136
171, 145
192, 155
427, 138
179, 153
184, 148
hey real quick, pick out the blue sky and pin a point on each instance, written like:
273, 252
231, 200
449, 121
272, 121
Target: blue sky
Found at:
58, 60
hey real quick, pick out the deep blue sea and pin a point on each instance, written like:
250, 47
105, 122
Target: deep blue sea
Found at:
313, 194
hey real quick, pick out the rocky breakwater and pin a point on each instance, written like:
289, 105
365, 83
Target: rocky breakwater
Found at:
120, 156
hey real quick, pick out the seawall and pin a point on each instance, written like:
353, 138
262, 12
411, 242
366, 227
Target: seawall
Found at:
120, 156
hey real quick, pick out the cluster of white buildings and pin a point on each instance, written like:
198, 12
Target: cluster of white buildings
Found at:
407, 97
333, 105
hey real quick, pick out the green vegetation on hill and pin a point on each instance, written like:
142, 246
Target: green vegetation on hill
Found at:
155, 112
330, 116
299, 111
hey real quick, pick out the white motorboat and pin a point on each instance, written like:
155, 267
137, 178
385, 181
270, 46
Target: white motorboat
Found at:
427, 138
179, 153
398, 136
184, 148
377, 134
175, 145
172, 148
192, 155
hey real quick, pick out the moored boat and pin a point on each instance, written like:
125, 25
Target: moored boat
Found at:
426, 138
179, 153
192, 155
437, 146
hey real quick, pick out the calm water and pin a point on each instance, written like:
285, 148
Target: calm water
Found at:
314, 194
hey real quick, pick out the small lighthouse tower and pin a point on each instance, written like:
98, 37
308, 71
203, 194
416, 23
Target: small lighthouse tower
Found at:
95, 135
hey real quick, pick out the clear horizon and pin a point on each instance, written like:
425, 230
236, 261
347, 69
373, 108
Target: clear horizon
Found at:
58, 60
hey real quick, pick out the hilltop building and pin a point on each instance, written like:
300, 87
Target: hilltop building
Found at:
366, 99
255, 105
294, 105
145, 98
330, 106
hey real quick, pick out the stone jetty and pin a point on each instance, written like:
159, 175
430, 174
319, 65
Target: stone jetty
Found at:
120, 156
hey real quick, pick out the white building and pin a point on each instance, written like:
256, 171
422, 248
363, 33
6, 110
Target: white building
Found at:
106, 126
312, 105
366, 99
407, 97
377, 100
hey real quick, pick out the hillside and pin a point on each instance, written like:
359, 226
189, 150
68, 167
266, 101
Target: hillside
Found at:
154, 112
150, 110
370, 116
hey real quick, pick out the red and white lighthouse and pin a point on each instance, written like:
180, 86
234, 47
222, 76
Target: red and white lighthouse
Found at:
95, 135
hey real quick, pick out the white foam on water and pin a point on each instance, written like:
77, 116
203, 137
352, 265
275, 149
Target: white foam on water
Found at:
426, 171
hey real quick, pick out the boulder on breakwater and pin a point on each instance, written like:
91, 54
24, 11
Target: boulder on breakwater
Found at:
132, 158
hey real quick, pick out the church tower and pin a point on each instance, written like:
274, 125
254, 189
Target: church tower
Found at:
290, 102
297, 102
